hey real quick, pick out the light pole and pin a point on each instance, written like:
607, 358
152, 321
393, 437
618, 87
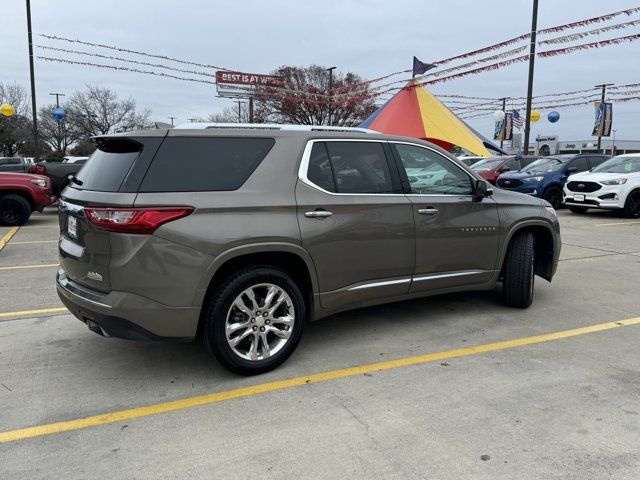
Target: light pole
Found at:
602, 105
330, 70
504, 123
34, 109
532, 58
58, 114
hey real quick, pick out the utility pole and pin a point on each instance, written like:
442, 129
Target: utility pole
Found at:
57, 95
504, 123
191, 120
34, 109
239, 102
172, 119
330, 70
601, 127
532, 58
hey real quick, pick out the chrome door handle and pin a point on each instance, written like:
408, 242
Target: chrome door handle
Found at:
428, 211
318, 214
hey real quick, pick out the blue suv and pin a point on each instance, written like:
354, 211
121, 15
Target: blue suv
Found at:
545, 177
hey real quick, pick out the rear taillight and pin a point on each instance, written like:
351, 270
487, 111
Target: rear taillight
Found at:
134, 220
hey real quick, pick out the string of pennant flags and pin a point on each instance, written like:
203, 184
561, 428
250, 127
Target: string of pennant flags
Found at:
361, 91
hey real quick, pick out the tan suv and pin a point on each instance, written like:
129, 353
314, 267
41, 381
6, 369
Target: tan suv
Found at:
240, 236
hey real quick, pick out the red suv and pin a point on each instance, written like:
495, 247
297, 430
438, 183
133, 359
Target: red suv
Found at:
21, 194
491, 168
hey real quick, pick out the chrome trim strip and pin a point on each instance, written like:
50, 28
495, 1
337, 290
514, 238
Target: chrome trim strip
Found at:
437, 276
383, 283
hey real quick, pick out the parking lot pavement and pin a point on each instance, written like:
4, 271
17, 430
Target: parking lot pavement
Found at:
566, 408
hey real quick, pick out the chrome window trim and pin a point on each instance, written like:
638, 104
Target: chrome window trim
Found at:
381, 283
472, 178
306, 156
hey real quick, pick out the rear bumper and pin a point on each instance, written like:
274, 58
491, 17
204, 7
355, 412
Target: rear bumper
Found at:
125, 315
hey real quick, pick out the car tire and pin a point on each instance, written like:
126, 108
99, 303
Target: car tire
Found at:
518, 272
553, 195
223, 316
14, 210
632, 205
578, 209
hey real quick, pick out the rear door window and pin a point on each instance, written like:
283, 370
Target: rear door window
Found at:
581, 163
108, 166
360, 167
204, 164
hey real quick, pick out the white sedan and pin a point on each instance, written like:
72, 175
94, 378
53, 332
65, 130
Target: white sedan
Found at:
613, 185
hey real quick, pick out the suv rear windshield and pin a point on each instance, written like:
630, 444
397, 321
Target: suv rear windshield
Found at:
108, 166
205, 164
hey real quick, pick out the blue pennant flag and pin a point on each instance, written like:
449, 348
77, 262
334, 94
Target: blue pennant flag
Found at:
420, 67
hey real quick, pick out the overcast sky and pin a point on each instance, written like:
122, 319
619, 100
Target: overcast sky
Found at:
370, 38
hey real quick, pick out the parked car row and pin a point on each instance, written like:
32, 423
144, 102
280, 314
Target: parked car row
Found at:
59, 172
545, 178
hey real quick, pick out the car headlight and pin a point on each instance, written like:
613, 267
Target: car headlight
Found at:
40, 182
617, 181
534, 179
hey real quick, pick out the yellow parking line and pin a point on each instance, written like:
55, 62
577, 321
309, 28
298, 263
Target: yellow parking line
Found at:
7, 237
616, 224
42, 226
20, 313
106, 418
18, 267
34, 241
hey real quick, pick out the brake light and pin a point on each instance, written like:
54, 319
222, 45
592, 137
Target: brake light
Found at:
135, 220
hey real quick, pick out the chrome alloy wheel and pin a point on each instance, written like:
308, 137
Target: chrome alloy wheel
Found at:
259, 322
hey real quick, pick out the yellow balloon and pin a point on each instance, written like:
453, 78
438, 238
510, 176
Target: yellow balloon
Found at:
7, 110
535, 116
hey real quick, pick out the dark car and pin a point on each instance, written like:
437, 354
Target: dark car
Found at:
14, 164
545, 177
59, 172
491, 168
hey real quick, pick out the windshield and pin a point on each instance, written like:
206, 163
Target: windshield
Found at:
487, 164
620, 164
549, 164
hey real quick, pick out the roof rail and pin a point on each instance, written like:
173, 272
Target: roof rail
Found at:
269, 126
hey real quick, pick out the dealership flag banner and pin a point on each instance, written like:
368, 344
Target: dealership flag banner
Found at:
604, 119
504, 129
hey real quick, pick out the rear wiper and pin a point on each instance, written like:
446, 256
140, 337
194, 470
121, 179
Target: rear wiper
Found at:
75, 180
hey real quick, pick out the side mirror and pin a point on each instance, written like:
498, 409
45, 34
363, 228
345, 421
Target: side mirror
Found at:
503, 169
482, 189
572, 170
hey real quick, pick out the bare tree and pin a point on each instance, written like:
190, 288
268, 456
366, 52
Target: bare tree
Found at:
15, 131
230, 115
98, 111
58, 134
14, 94
308, 100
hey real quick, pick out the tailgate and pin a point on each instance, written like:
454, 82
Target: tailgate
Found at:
85, 251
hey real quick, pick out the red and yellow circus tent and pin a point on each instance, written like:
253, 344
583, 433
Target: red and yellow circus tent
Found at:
414, 112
